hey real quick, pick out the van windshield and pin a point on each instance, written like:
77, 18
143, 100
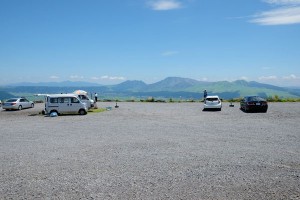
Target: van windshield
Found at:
83, 97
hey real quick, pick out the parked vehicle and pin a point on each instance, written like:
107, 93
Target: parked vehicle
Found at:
83, 96
85, 99
17, 104
212, 102
254, 103
64, 104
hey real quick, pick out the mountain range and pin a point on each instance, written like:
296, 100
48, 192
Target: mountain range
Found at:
171, 87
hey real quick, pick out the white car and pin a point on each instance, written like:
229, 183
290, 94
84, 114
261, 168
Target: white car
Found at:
212, 102
17, 104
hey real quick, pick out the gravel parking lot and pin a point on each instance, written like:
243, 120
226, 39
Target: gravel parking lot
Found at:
152, 151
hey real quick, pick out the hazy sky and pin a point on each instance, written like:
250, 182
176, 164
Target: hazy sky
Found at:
110, 41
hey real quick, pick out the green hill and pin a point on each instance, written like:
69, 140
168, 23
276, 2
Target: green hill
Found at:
171, 87
5, 95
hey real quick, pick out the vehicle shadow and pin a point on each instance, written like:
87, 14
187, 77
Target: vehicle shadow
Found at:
211, 110
252, 111
14, 110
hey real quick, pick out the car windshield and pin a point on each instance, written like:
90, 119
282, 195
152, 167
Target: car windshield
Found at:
11, 100
211, 99
255, 99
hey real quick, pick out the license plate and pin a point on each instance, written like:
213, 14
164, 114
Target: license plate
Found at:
258, 104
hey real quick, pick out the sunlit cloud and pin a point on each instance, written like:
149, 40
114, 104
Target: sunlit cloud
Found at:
283, 2
76, 77
288, 12
281, 16
95, 78
244, 78
291, 77
112, 77
266, 78
164, 4
54, 77
108, 78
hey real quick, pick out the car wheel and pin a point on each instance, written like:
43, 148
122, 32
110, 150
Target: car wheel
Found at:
32, 105
53, 113
82, 112
20, 107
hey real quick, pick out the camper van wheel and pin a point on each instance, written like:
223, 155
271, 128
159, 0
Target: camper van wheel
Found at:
82, 112
53, 113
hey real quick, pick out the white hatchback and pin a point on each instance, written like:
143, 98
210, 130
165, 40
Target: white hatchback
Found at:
212, 102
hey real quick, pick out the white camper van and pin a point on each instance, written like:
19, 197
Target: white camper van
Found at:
64, 104
83, 96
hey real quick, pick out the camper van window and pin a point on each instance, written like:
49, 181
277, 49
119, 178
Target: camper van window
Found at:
53, 100
63, 100
83, 97
74, 100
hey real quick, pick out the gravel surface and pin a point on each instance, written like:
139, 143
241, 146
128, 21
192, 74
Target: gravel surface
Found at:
152, 151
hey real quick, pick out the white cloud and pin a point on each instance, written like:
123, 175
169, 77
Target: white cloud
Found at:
113, 77
54, 77
283, 2
108, 78
169, 53
244, 78
76, 77
286, 12
165, 4
95, 78
280, 16
266, 78
290, 77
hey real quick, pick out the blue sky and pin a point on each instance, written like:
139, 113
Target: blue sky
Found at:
110, 41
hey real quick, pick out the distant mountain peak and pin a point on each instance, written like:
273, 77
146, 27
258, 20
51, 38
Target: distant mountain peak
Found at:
132, 85
174, 82
241, 82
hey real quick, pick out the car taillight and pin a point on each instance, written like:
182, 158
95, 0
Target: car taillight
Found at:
13, 103
219, 101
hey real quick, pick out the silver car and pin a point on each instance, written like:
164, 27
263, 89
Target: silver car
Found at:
17, 104
212, 102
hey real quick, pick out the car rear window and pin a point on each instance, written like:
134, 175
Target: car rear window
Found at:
11, 100
255, 99
212, 99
